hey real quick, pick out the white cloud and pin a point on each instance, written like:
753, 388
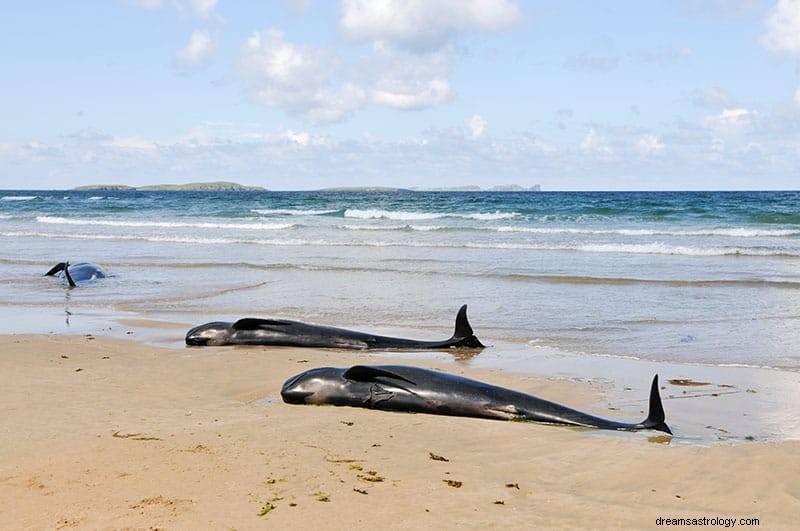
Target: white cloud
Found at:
301, 138
649, 145
783, 32
477, 126
730, 121
203, 8
408, 68
407, 80
534, 145
597, 144
89, 135
424, 24
132, 143
783, 28
256, 153
10, 150
197, 51
735, 116
716, 97
299, 79
144, 4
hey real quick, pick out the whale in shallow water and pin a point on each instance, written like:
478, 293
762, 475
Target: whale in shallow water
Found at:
404, 388
251, 331
75, 273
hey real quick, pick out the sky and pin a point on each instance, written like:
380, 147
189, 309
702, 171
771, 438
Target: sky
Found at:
306, 94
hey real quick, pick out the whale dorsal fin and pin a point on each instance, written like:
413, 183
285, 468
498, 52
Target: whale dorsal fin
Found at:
463, 329
252, 323
365, 373
463, 336
655, 417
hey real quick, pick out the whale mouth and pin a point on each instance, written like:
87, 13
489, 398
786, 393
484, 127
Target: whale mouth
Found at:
291, 394
196, 338
295, 397
196, 341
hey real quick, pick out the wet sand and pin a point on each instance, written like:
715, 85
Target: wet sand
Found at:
100, 433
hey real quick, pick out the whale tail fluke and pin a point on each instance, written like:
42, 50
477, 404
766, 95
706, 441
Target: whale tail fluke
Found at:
56, 269
655, 416
69, 277
59, 267
463, 336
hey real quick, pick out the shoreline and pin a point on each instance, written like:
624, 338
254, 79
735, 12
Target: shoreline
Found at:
735, 405
110, 433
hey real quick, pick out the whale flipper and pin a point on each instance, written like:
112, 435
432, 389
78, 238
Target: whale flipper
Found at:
253, 323
364, 373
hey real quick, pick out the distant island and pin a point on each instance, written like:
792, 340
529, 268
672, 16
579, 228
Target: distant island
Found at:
218, 186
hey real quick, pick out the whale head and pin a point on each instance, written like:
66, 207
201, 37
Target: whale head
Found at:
323, 385
210, 334
360, 385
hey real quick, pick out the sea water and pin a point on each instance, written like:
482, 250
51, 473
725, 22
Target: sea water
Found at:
708, 279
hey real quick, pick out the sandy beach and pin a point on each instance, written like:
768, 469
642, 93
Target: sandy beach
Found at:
101, 433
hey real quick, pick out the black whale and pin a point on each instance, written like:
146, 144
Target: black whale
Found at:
403, 388
251, 331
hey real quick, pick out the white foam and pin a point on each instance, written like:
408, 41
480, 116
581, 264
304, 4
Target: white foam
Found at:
372, 227
387, 214
292, 212
726, 232
18, 197
164, 224
416, 216
491, 216
651, 248
419, 228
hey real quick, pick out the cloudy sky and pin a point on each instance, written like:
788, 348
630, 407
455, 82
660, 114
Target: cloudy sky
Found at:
303, 94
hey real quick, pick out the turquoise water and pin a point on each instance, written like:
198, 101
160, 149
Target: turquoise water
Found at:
691, 277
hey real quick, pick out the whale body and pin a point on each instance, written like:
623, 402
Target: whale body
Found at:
283, 332
412, 389
75, 273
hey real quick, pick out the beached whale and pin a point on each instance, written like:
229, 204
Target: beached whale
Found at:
403, 388
251, 331
74, 273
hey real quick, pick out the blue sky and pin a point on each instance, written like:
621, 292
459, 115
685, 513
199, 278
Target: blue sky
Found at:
304, 94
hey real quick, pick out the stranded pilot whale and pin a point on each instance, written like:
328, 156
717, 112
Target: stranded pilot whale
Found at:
404, 388
251, 331
74, 273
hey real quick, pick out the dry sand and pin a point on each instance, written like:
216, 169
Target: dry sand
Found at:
112, 434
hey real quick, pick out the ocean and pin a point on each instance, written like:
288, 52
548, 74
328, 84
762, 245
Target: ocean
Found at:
706, 279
